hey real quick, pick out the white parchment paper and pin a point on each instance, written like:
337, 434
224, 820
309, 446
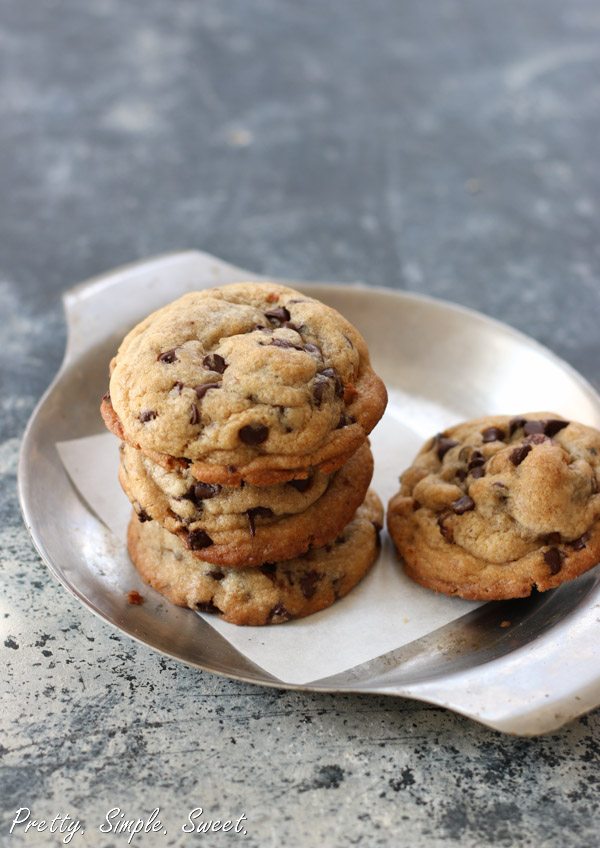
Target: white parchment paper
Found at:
383, 613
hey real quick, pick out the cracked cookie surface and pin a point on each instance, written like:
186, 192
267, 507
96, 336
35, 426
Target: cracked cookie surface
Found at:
495, 507
247, 381
246, 526
270, 594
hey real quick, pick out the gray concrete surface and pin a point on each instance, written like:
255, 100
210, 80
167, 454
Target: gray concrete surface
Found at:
442, 147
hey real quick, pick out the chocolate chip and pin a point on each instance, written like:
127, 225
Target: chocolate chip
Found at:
332, 374
462, 505
147, 415
445, 530
477, 472
477, 459
443, 445
199, 539
254, 434
554, 426
216, 575
143, 516
285, 343
319, 385
280, 612
194, 414
580, 543
257, 512
344, 421
461, 475
207, 606
551, 538
178, 387
518, 455
554, 559
280, 313
289, 325
269, 569
531, 427
205, 491
514, 424
214, 362
167, 357
493, 434
312, 348
308, 583
301, 485
203, 388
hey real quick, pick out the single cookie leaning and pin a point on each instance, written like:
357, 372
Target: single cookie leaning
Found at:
271, 523
495, 507
249, 381
271, 594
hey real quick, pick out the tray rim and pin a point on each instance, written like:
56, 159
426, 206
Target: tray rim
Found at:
100, 282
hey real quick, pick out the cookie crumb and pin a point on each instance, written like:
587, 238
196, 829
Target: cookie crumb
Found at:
134, 598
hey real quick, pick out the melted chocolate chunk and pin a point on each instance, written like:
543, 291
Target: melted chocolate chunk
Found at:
147, 415
280, 314
518, 455
214, 362
194, 414
332, 374
301, 485
199, 539
205, 491
280, 612
493, 434
532, 427
319, 385
207, 606
443, 445
216, 575
203, 388
254, 434
257, 512
462, 505
168, 357
554, 560
285, 343
268, 569
477, 459
580, 543
312, 348
477, 472
445, 530
554, 426
308, 583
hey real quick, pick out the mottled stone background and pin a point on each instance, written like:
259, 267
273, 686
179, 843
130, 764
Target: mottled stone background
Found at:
444, 147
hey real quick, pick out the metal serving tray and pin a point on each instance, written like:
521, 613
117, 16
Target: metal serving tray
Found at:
527, 679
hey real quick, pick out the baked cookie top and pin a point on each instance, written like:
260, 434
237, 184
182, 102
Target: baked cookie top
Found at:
501, 500
244, 372
271, 594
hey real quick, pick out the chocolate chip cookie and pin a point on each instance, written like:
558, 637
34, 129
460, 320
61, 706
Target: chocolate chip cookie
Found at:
246, 526
493, 508
250, 381
270, 594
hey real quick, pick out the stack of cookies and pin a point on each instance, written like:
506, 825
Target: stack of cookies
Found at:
243, 413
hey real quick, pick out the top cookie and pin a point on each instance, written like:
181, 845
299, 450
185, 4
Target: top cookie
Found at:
250, 376
493, 507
